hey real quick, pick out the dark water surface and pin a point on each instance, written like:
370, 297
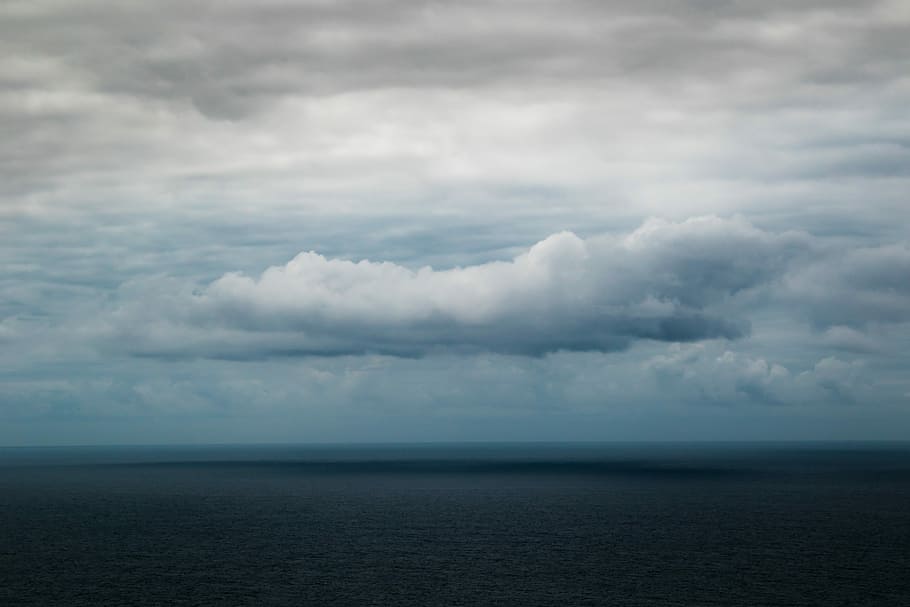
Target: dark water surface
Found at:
823, 524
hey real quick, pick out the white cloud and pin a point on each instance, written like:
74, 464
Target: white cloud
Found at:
698, 279
664, 281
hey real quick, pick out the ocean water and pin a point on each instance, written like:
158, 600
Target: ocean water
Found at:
629, 524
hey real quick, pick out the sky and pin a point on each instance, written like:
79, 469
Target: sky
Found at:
390, 221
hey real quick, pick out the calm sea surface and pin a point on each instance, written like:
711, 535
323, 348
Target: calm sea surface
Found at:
822, 524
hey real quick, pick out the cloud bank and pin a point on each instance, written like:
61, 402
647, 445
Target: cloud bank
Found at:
674, 282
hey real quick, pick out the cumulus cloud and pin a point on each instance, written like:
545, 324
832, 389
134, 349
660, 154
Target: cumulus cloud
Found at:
664, 281
700, 373
703, 278
838, 379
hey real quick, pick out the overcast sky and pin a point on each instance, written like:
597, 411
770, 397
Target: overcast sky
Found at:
276, 221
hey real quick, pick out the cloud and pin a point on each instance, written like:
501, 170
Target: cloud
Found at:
699, 279
855, 288
706, 374
230, 58
851, 340
701, 375
152, 148
664, 281
230, 104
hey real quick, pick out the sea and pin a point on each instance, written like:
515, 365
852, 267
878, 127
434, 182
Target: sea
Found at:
457, 524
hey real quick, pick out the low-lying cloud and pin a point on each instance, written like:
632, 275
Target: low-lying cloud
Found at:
673, 282
698, 373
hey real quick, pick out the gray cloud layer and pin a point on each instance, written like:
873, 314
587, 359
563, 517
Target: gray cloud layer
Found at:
857, 287
131, 104
228, 57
